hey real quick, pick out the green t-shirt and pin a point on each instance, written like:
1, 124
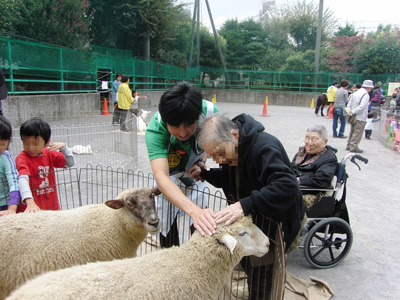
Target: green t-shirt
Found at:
160, 143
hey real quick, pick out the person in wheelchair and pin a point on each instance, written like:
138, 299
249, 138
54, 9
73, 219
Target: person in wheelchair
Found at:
315, 163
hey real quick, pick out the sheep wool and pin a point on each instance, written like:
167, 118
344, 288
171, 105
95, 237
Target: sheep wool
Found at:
32, 244
195, 270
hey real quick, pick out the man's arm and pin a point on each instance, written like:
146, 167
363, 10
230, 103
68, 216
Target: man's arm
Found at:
203, 219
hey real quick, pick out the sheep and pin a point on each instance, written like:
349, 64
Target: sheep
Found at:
32, 244
195, 270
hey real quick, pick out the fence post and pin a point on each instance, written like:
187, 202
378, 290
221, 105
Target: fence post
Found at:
61, 70
10, 66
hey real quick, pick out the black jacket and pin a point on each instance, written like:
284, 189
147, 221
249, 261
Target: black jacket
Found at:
319, 173
267, 184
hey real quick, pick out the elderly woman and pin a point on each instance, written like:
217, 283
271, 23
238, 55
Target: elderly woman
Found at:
255, 173
315, 163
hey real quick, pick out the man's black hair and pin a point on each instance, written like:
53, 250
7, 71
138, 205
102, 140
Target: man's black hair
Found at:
118, 74
358, 85
181, 104
5, 129
36, 127
124, 78
334, 83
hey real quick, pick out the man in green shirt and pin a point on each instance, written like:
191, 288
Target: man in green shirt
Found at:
172, 149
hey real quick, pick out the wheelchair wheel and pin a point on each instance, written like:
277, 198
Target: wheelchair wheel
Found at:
328, 243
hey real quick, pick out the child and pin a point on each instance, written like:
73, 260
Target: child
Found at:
369, 126
36, 165
135, 104
9, 192
396, 122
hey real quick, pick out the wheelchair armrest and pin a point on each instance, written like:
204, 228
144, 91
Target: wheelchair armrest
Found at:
314, 189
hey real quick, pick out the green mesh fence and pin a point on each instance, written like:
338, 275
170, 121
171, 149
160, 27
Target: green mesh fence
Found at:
33, 68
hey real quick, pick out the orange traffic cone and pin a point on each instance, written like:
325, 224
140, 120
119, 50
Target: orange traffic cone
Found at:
105, 108
330, 111
264, 113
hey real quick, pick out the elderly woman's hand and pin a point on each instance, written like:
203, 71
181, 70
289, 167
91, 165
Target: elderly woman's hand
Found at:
194, 172
229, 214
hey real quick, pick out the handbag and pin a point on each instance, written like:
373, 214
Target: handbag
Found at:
351, 119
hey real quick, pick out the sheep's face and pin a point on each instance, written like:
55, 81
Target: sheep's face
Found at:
251, 239
141, 204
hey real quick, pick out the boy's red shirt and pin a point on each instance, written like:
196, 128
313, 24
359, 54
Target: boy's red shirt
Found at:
42, 181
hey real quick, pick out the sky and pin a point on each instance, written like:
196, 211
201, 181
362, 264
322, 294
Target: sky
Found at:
365, 17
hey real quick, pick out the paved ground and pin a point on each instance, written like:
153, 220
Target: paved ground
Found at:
372, 269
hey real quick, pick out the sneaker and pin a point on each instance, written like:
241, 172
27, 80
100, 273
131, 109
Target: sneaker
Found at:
348, 148
357, 151
335, 136
342, 136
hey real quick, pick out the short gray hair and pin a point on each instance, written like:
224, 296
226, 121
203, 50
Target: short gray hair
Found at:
320, 129
217, 128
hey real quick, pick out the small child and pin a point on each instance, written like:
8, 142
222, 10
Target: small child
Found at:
135, 104
9, 192
36, 165
369, 126
395, 122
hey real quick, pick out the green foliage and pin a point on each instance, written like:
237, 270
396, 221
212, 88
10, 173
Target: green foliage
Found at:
64, 23
124, 24
348, 30
379, 56
245, 43
299, 62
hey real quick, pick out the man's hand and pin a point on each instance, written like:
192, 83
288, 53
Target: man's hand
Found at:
229, 214
203, 221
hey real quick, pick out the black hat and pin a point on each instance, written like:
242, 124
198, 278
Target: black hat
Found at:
3, 88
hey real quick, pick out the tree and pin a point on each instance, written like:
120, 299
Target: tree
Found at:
245, 43
380, 55
348, 30
64, 23
302, 20
299, 62
342, 52
123, 25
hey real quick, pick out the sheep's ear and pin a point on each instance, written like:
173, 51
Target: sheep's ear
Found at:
155, 191
115, 204
229, 241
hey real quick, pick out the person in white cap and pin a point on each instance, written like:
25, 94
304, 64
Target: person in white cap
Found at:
358, 106
3, 91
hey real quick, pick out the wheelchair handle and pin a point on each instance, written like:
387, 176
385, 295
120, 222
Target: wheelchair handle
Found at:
359, 157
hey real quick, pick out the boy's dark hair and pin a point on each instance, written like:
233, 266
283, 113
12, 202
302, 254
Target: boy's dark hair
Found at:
118, 74
133, 91
5, 129
124, 78
358, 85
370, 115
344, 83
334, 83
36, 127
181, 104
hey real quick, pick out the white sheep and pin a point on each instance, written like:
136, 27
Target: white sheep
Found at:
32, 244
195, 270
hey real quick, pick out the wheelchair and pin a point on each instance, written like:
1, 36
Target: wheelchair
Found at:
326, 238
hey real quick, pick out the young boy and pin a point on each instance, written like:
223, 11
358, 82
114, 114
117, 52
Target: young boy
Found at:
36, 165
135, 105
369, 126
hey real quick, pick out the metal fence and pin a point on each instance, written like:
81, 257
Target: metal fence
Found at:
93, 140
38, 68
97, 184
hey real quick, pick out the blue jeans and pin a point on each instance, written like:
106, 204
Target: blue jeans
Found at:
338, 114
